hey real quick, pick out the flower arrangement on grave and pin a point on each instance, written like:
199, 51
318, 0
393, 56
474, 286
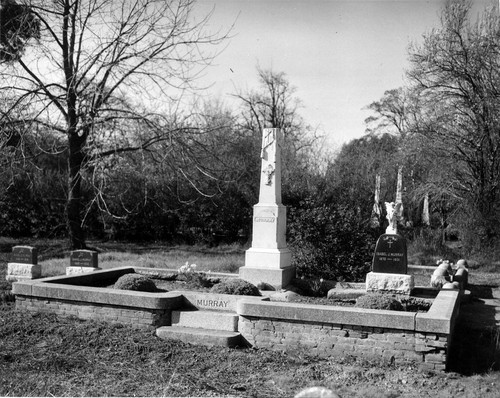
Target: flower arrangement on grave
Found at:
187, 270
188, 273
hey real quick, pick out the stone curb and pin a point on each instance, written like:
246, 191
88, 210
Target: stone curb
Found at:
54, 287
439, 319
325, 314
442, 315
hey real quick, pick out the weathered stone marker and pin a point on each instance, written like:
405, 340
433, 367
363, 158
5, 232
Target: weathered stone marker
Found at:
83, 258
390, 255
24, 264
390, 260
82, 261
25, 255
269, 259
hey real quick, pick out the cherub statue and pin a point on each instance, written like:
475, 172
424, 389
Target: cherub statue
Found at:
392, 216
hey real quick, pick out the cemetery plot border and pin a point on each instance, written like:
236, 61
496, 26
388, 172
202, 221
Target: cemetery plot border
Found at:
325, 330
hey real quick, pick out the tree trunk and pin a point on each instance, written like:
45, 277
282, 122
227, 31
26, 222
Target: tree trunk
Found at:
74, 204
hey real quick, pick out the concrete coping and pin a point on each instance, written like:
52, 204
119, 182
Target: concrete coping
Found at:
98, 295
442, 315
75, 288
328, 314
439, 319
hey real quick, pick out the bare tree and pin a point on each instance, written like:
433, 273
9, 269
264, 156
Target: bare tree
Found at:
97, 65
397, 112
275, 105
457, 68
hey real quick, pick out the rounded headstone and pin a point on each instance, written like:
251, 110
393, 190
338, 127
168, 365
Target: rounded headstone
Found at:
390, 255
24, 255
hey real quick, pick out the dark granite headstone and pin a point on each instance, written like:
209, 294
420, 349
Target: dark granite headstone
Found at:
83, 258
390, 255
24, 255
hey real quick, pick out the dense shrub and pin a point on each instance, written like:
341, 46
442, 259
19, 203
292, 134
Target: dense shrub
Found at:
330, 243
236, 286
32, 209
379, 301
135, 282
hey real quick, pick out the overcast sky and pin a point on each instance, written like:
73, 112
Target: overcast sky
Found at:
341, 55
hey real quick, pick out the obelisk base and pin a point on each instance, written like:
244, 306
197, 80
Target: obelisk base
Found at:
271, 266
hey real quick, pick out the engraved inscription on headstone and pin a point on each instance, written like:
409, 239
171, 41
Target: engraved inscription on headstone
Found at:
24, 255
390, 255
204, 303
265, 219
265, 215
83, 258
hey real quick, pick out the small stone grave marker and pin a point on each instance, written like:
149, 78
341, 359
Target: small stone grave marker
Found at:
24, 264
83, 258
390, 255
24, 255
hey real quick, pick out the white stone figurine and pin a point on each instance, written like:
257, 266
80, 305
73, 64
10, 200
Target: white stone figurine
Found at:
442, 274
392, 216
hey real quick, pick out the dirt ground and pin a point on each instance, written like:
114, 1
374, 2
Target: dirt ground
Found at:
42, 355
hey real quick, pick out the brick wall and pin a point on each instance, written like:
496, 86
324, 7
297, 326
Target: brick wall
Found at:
137, 317
328, 339
322, 330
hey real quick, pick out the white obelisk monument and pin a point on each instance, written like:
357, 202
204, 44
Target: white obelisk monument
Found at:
269, 259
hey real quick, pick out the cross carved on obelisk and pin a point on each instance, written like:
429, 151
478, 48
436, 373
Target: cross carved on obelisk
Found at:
269, 171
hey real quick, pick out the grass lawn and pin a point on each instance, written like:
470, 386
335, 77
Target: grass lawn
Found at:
43, 355
228, 259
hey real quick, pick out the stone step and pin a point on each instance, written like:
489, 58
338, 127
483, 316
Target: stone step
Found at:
198, 336
215, 320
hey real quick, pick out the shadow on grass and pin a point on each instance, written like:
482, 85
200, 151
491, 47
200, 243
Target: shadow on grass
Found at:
475, 348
